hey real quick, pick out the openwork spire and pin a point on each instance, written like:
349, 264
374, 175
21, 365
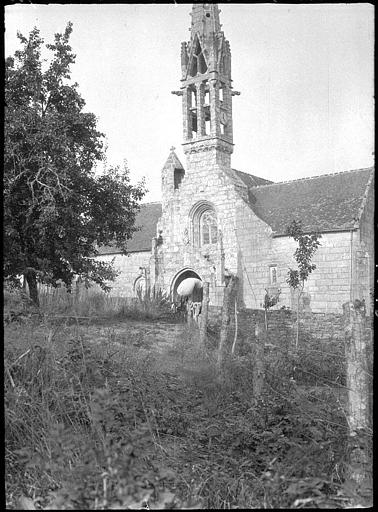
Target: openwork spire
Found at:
205, 20
206, 84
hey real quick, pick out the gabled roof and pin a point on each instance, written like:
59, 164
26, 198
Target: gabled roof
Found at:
173, 160
146, 219
250, 180
331, 202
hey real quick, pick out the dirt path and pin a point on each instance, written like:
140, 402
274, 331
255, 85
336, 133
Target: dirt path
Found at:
155, 335
159, 338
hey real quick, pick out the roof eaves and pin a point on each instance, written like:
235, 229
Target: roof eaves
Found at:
364, 199
127, 252
321, 231
308, 178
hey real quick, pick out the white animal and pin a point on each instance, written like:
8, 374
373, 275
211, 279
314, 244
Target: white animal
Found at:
188, 285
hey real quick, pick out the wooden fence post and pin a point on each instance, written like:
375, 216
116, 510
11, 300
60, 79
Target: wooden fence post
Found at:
258, 367
227, 301
236, 327
204, 314
189, 311
357, 383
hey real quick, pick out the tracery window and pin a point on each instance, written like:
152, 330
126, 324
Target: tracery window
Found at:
204, 224
208, 228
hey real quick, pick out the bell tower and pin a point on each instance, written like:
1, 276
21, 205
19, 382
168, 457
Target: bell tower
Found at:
206, 88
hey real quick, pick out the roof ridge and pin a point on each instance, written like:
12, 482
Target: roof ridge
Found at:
248, 174
150, 202
237, 170
317, 176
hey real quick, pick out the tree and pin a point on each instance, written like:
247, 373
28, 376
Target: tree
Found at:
56, 208
307, 246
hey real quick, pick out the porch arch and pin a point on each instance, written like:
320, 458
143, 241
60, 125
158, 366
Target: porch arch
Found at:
179, 277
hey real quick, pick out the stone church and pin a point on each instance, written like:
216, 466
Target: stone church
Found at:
214, 221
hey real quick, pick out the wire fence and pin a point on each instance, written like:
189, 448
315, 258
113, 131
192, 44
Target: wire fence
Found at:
314, 371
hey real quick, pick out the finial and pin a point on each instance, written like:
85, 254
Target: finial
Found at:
172, 148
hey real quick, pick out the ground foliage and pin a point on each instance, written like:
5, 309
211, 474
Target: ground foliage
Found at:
56, 207
94, 425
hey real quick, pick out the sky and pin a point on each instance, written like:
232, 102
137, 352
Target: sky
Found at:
305, 73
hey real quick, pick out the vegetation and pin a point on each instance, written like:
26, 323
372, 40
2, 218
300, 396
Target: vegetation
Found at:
307, 246
55, 207
95, 420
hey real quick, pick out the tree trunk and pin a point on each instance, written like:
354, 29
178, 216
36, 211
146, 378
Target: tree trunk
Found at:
297, 334
204, 314
227, 301
357, 382
297, 330
258, 370
31, 279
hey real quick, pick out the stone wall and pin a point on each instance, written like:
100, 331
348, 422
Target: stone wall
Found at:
129, 268
326, 289
205, 181
324, 327
247, 248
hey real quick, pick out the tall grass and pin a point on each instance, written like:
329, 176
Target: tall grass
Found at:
78, 430
99, 425
91, 303
150, 304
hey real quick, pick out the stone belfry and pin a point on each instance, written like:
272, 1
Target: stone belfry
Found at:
206, 89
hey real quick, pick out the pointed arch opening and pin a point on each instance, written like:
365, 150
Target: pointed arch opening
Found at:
183, 274
204, 224
198, 62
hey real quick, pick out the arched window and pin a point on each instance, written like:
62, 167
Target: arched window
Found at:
208, 228
204, 224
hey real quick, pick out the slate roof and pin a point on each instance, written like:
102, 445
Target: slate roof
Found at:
146, 219
250, 180
330, 202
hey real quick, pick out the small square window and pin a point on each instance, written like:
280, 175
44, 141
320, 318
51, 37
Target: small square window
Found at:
273, 274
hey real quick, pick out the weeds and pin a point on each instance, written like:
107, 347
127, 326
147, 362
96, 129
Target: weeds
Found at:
115, 424
87, 304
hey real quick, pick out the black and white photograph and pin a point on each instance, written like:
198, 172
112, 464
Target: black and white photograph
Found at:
188, 255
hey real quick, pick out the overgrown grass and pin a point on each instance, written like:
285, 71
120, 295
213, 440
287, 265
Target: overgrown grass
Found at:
88, 303
97, 425
150, 304
78, 422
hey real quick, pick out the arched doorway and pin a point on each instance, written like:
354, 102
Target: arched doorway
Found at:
179, 277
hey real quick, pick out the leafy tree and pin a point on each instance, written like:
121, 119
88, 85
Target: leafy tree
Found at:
307, 246
56, 208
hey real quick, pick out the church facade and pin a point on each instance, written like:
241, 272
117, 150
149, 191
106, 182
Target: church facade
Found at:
215, 221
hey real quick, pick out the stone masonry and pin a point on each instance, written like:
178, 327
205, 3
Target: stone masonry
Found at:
216, 221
